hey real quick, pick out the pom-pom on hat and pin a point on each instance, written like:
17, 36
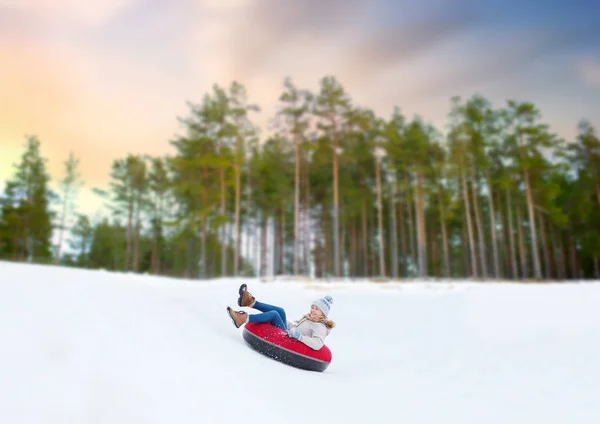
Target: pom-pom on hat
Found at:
324, 304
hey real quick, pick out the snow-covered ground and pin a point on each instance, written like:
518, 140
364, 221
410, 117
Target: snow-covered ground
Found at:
82, 346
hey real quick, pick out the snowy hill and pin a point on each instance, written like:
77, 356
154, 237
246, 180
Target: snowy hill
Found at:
95, 347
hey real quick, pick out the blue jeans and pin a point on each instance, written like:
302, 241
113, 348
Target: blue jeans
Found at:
271, 314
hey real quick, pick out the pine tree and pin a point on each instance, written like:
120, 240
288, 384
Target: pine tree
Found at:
128, 187
585, 155
418, 143
243, 129
82, 233
27, 206
69, 186
109, 246
527, 139
296, 106
159, 185
332, 105
198, 178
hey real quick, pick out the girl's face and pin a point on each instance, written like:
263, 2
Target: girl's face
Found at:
315, 311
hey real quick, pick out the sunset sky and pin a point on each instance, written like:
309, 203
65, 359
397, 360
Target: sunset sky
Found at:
107, 78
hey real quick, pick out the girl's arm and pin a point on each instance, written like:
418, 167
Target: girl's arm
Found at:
317, 340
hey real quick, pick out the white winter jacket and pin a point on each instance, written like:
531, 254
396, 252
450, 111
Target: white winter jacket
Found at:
313, 333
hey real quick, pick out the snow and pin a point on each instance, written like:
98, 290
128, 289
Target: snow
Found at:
82, 346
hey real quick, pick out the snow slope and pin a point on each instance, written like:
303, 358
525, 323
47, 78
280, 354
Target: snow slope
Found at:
95, 347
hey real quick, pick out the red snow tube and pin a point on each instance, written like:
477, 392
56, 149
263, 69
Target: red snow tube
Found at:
273, 342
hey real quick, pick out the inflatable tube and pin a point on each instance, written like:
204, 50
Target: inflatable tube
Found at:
273, 342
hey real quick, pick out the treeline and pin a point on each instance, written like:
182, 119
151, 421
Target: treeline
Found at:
336, 191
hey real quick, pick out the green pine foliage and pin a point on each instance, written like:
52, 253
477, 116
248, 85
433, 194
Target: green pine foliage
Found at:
335, 191
26, 223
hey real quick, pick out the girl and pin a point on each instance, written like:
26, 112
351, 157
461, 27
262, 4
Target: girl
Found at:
311, 329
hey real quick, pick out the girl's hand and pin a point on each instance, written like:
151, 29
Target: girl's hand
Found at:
294, 333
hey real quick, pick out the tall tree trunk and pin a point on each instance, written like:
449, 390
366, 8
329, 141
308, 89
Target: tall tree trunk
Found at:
238, 183
282, 240
336, 240
276, 241
318, 257
63, 217
421, 232
534, 243
554, 250
296, 256
435, 266
157, 227
354, 251
513, 251
257, 260
359, 250
444, 233
15, 240
593, 167
203, 247
203, 224
365, 239
551, 249
351, 260
465, 193
342, 243
230, 242
522, 251
24, 246
307, 234
573, 256
545, 252
393, 233
154, 254
248, 221
562, 254
464, 248
138, 225
495, 257
116, 250
411, 227
250, 235
307, 227
373, 252
189, 257
380, 220
503, 253
326, 244
479, 224
213, 255
83, 253
263, 243
129, 243
402, 225
222, 231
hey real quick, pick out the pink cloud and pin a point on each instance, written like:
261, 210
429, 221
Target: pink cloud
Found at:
97, 105
105, 100
92, 12
589, 70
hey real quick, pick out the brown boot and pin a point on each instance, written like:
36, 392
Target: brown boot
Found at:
239, 318
245, 299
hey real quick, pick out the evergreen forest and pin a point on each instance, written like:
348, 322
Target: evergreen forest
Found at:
335, 191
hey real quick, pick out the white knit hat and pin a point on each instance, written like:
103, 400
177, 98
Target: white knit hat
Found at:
324, 304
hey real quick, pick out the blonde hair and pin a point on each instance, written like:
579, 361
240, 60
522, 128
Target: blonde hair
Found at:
322, 319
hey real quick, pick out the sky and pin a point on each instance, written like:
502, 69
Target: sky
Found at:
106, 78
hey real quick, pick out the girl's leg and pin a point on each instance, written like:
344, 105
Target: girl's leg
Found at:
265, 307
272, 317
